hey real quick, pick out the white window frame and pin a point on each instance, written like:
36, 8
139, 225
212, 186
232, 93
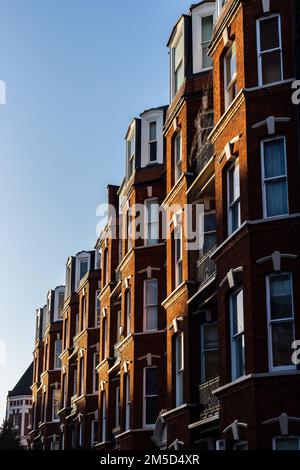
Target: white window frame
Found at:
145, 397
103, 417
281, 320
57, 360
235, 336
203, 351
82, 257
179, 371
179, 34
97, 308
94, 436
54, 391
261, 53
177, 161
146, 282
236, 201
281, 177
233, 82
277, 438
96, 360
128, 301
220, 5
178, 256
127, 401
152, 142
207, 15
117, 406
149, 224
202, 11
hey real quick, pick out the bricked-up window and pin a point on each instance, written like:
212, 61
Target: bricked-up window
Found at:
55, 404
178, 64
117, 407
94, 432
97, 308
152, 141
57, 353
128, 311
230, 75
209, 341
233, 191
178, 254
286, 443
95, 374
207, 23
280, 310
177, 156
179, 368
274, 177
152, 221
103, 416
236, 306
150, 398
127, 401
130, 155
269, 50
150, 305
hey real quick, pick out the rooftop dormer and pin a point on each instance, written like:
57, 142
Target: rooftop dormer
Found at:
203, 18
76, 268
177, 47
152, 144
133, 147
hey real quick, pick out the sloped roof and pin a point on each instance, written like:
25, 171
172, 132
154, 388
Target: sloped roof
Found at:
24, 384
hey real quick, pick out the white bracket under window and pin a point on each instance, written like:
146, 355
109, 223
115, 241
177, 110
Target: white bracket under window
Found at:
234, 428
44, 388
149, 358
127, 282
102, 385
64, 369
266, 6
276, 258
61, 428
227, 42
126, 366
104, 310
81, 352
283, 420
175, 324
149, 191
230, 278
227, 152
83, 292
270, 122
149, 270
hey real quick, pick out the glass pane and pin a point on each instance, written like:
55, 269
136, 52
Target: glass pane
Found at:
179, 363
235, 216
281, 297
178, 52
269, 34
152, 131
151, 292
151, 381
153, 151
274, 158
178, 77
207, 27
282, 338
240, 355
276, 198
234, 183
209, 241
151, 410
151, 320
211, 336
209, 222
237, 313
206, 59
289, 443
230, 65
177, 148
271, 67
211, 364
83, 268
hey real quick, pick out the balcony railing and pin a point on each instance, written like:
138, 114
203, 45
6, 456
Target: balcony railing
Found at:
206, 267
203, 156
208, 402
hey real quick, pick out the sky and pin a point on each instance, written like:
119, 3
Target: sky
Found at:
76, 73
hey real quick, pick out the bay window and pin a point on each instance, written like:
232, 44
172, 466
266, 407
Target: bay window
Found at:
236, 305
230, 75
150, 396
152, 221
150, 305
281, 327
274, 177
178, 64
207, 23
209, 351
269, 50
233, 190
179, 368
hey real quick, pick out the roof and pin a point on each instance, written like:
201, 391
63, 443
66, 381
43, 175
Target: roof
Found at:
24, 384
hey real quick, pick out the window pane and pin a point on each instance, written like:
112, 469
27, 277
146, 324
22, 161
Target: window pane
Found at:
271, 67
237, 313
282, 338
240, 355
178, 52
289, 443
269, 34
209, 241
151, 410
83, 268
151, 292
235, 216
234, 183
230, 65
209, 222
276, 198
178, 148
179, 362
153, 151
151, 381
211, 336
211, 364
151, 318
274, 158
206, 60
281, 297
152, 131
207, 27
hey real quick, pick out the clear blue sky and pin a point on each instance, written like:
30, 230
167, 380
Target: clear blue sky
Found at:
77, 72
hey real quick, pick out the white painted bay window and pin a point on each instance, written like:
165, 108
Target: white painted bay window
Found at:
207, 23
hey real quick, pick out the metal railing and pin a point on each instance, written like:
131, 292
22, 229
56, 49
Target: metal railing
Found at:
208, 402
206, 267
203, 156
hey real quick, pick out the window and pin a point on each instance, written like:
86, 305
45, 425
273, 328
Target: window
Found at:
105, 267
80, 435
97, 308
178, 254
55, 404
281, 327
81, 382
57, 353
286, 443
76, 327
178, 60
66, 332
96, 375
209, 351
83, 312
269, 50
179, 368
61, 299
207, 23
274, 177
68, 279
230, 76
104, 339
220, 5
152, 141
103, 416
209, 231
94, 432
64, 391
119, 323
150, 305
75, 382
83, 267
240, 445
234, 205
177, 156
128, 311
127, 401
130, 155
117, 407
236, 305
150, 399
152, 221
54, 445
